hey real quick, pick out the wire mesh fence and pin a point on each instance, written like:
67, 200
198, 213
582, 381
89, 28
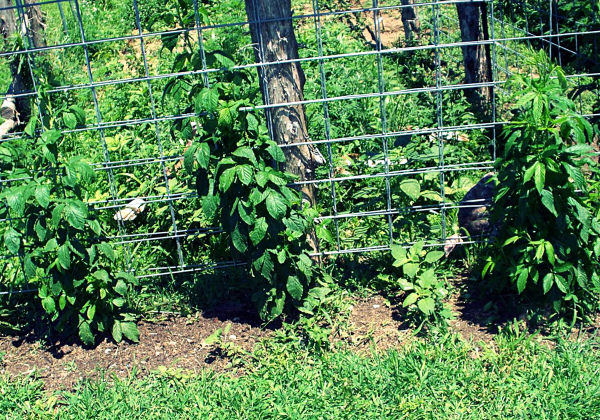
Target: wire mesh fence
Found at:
387, 97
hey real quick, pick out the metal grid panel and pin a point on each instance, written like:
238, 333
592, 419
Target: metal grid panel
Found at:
172, 235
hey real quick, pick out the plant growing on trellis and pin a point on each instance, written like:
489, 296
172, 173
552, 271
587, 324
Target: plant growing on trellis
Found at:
549, 243
50, 227
264, 218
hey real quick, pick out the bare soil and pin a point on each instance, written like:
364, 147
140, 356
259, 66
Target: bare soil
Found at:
177, 344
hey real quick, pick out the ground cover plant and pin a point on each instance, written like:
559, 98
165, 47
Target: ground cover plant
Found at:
446, 378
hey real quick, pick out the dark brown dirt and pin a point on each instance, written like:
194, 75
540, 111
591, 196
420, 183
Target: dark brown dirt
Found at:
177, 344
174, 344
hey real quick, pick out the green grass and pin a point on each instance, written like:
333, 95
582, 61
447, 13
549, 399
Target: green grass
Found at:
445, 378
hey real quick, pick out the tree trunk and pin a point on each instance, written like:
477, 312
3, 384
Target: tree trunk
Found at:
15, 109
283, 83
478, 64
410, 21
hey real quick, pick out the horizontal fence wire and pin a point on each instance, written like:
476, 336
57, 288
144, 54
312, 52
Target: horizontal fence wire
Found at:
363, 135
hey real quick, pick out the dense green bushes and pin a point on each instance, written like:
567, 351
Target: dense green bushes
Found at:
548, 245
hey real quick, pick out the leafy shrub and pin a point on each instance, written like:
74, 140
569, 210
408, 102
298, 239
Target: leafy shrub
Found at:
50, 226
263, 217
549, 243
425, 289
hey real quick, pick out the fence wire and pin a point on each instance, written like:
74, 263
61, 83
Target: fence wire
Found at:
373, 93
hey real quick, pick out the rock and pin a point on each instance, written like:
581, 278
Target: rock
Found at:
474, 216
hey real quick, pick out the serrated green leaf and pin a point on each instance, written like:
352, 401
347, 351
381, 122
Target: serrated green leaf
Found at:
245, 174
260, 230
70, 120
42, 195
76, 212
540, 177
12, 240
226, 179
130, 331
276, 205
239, 239
548, 202
64, 256
117, 334
276, 153
203, 155
188, 158
247, 153
294, 287
85, 333
210, 204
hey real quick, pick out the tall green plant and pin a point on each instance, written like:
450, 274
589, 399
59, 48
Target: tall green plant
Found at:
264, 219
50, 230
549, 241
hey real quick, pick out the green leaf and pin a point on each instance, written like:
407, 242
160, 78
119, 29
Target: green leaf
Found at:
101, 275
226, 179
260, 230
121, 287
540, 177
42, 195
247, 153
399, 253
433, 256
188, 158
245, 174
210, 204
12, 240
411, 188
294, 287
64, 256
252, 122
203, 155
70, 120
548, 202
85, 333
106, 249
547, 282
40, 230
576, 174
276, 205
276, 153
410, 299
208, 99
426, 305
30, 127
522, 280
57, 215
49, 305
76, 213
117, 334
130, 331
239, 239
91, 312
561, 283
410, 269
550, 252
225, 120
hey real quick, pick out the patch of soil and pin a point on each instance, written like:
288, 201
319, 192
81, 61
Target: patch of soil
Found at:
374, 325
173, 343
